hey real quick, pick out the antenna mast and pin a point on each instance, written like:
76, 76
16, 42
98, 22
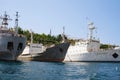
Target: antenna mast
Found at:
16, 23
63, 35
50, 32
91, 28
31, 36
63, 30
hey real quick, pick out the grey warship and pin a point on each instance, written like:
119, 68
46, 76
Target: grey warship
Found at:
12, 44
52, 53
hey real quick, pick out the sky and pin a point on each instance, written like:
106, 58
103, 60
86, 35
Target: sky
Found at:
42, 15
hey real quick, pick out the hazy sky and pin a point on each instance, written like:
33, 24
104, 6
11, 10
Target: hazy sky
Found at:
43, 15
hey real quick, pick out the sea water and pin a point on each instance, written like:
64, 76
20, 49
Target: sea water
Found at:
33, 70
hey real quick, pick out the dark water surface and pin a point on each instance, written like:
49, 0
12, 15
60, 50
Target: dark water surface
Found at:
33, 70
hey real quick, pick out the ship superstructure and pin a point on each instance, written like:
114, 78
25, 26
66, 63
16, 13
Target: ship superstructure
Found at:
32, 49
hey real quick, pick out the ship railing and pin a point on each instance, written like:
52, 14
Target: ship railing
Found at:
20, 35
49, 46
10, 33
6, 34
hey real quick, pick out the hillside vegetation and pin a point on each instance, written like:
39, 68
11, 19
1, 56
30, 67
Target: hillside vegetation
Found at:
45, 39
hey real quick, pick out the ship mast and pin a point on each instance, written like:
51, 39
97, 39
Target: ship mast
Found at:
16, 23
91, 28
63, 35
31, 36
5, 19
50, 32
63, 30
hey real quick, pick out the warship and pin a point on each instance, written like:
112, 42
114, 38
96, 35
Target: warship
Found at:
39, 52
89, 50
11, 43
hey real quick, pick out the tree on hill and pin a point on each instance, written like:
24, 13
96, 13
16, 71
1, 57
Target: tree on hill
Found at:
40, 38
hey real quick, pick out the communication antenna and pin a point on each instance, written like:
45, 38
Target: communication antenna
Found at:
16, 23
31, 36
63, 30
50, 32
91, 27
63, 35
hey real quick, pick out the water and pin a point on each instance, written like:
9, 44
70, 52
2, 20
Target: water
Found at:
33, 70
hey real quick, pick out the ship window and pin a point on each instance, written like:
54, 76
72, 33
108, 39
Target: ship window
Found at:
10, 46
20, 46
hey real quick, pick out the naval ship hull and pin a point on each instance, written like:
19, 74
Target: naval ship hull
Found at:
98, 56
11, 46
55, 53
